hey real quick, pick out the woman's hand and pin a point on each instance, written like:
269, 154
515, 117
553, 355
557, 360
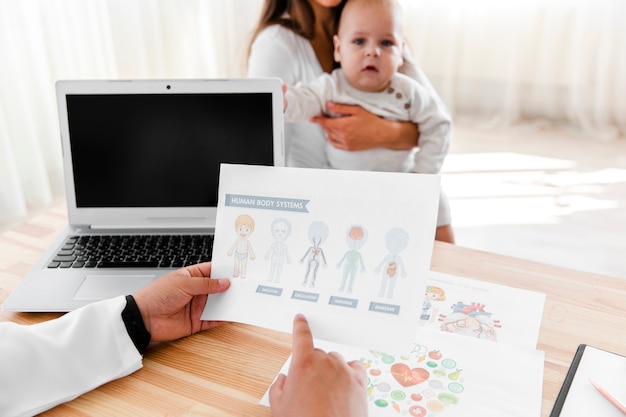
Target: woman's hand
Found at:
357, 130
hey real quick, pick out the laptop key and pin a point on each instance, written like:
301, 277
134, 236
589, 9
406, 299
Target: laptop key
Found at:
127, 264
64, 258
127, 251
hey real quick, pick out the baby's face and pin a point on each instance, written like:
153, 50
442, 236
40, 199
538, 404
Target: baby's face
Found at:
369, 45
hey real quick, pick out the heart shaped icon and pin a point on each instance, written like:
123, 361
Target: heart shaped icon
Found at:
408, 377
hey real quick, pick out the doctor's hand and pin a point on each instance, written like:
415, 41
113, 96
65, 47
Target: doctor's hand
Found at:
319, 383
172, 305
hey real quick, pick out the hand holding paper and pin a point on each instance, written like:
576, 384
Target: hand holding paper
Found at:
349, 249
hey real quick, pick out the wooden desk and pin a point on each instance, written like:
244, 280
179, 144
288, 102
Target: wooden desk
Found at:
225, 371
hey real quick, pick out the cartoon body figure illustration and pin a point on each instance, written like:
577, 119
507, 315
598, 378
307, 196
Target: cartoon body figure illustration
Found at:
396, 240
241, 248
356, 236
432, 294
470, 320
279, 252
318, 233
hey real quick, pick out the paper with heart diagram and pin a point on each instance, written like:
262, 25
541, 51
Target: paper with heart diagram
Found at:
445, 375
482, 309
349, 249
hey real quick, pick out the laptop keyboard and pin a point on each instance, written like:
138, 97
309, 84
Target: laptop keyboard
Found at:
133, 251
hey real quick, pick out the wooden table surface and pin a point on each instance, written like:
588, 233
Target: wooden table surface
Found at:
225, 371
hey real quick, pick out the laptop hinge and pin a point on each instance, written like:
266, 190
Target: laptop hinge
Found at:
150, 227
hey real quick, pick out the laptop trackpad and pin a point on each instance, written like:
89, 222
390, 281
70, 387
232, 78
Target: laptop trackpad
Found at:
100, 287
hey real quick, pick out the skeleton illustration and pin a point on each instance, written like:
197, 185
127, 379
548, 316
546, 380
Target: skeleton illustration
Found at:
278, 252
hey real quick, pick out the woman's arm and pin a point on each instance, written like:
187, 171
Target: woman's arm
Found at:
274, 54
359, 130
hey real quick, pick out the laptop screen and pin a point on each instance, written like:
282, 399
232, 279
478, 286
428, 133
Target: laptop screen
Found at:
163, 150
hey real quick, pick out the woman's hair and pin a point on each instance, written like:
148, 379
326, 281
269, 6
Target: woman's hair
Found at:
301, 20
300, 17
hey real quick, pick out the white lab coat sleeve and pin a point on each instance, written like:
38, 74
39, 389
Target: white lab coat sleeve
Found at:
49, 363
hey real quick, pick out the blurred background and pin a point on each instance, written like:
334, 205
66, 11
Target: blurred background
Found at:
537, 89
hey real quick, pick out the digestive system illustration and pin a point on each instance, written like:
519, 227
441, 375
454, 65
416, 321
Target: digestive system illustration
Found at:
422, 383
396, 240
314, 256
352, 260
278, 253
470, 320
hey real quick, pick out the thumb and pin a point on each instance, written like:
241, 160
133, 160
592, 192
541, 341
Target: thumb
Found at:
277, 388
205, 285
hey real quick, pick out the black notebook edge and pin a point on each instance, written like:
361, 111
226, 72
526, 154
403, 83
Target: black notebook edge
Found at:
567, 383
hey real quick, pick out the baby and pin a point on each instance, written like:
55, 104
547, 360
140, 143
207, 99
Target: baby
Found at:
369, 47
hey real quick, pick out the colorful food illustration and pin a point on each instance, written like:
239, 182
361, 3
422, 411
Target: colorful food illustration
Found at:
421, 384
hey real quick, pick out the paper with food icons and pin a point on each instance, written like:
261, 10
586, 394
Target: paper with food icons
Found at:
445, 375
483, 310
349, 249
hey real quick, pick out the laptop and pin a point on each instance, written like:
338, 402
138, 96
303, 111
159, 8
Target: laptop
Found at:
141, 161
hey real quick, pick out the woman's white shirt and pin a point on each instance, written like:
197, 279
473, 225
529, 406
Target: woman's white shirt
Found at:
279, 52
49, 363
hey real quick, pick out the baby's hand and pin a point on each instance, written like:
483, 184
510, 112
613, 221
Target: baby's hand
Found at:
284, 96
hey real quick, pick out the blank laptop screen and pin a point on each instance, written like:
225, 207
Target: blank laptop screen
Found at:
163, 150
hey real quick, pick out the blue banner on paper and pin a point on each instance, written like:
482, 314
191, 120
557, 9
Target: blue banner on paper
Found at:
264, 289
267, 203
384, 308
305, 296
343, 302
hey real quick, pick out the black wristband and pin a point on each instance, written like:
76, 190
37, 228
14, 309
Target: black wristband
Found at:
134, 325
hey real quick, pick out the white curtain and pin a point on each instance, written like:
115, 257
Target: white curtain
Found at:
42, 41
491, 60
515, 60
